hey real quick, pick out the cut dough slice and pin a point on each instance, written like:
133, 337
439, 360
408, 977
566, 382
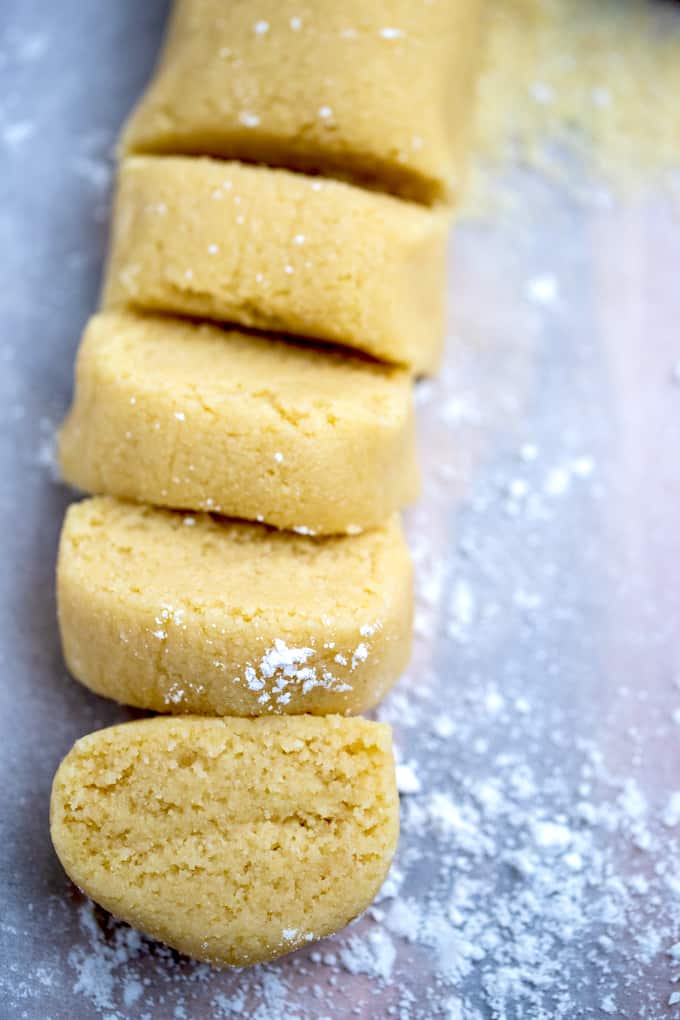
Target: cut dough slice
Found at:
280, 251
232, 840
380, 92
193, 417
201, 615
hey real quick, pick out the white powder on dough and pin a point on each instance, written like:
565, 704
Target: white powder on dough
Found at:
284, 669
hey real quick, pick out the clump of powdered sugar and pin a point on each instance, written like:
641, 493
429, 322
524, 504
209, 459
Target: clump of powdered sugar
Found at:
284, 670
104, 974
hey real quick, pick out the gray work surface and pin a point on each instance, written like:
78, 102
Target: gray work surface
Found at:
538, 873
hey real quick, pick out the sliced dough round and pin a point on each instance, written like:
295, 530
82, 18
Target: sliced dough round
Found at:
380, 91
232, 840
282, 252
214, 617
192, 417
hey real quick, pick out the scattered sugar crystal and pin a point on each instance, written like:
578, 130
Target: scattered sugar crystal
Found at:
443, 726
583, 466
460, 409
542, 93
551, 835
261, 27
543, 289
557, 482
518, 488
632, 801
407, 780
249, 120
573, 861
494, 702
463, 610
369, 629
360, 654
671, 814
489, 797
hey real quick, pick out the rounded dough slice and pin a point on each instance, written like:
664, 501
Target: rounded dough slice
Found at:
232, 840
214, 617
192, 417
380, 92
282, 252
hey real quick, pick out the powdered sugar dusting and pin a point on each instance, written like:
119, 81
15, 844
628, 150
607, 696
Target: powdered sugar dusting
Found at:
285, 670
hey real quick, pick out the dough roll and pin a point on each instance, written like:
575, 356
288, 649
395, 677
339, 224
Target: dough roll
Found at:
282, 252
379, 92
192, 417
195, 614
232, 840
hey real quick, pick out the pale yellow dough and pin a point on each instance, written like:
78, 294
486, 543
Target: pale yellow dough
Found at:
282, 252
180, 614
232, 840
192, 417
379, 91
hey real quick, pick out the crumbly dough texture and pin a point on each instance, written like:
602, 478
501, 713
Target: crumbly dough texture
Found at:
381, 92
232, 840
213, 617
192, 417
282, 252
